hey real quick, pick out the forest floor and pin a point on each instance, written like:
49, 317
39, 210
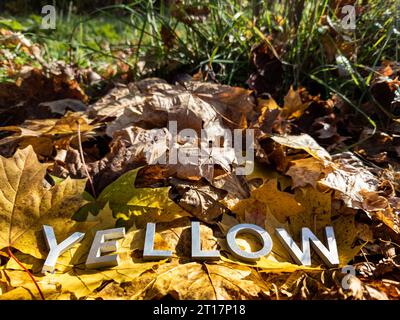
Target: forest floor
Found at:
86, 122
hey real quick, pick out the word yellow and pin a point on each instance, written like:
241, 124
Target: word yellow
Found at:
105, 241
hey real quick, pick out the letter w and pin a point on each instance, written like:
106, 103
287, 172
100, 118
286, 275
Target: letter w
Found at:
303, 257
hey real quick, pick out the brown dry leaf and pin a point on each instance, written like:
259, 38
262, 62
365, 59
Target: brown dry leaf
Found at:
268, 76
353, 182
44, 135
379, 148
236, 186
266, 104
151, 103
152, 146
351, 179
373, 201
113, 104
293, 106
230, 102
389, 217
321, 285
118, 161
142, 133
64, 105
67, 125
25, 205
144, 145
200, 199
34, 87
270, 116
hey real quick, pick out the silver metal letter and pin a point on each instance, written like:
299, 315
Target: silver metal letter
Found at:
196, 245
303, 257
102, 244
57, 249
148, 252
49, 20
349, 21
350, 275
255, 230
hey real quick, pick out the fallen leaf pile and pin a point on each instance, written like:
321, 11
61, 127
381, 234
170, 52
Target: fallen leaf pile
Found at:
91, 166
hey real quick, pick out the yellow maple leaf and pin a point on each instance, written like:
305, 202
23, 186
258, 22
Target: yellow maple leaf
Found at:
281, 204
195, 280
26, 205
306, 171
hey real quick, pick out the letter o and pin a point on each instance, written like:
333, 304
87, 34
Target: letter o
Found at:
256, 231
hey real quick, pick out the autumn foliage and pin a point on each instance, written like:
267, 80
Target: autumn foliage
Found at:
82, 164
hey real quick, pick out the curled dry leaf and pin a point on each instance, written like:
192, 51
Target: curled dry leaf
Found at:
304, 142
200, 199
268, 76
47, 134
350, 178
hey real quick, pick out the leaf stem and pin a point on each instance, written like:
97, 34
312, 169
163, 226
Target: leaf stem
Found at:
26, 270
83, 160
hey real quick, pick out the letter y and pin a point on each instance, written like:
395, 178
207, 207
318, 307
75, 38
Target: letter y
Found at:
57, 249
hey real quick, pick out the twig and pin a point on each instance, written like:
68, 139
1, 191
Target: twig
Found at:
83, 160
26, 270
365, 257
